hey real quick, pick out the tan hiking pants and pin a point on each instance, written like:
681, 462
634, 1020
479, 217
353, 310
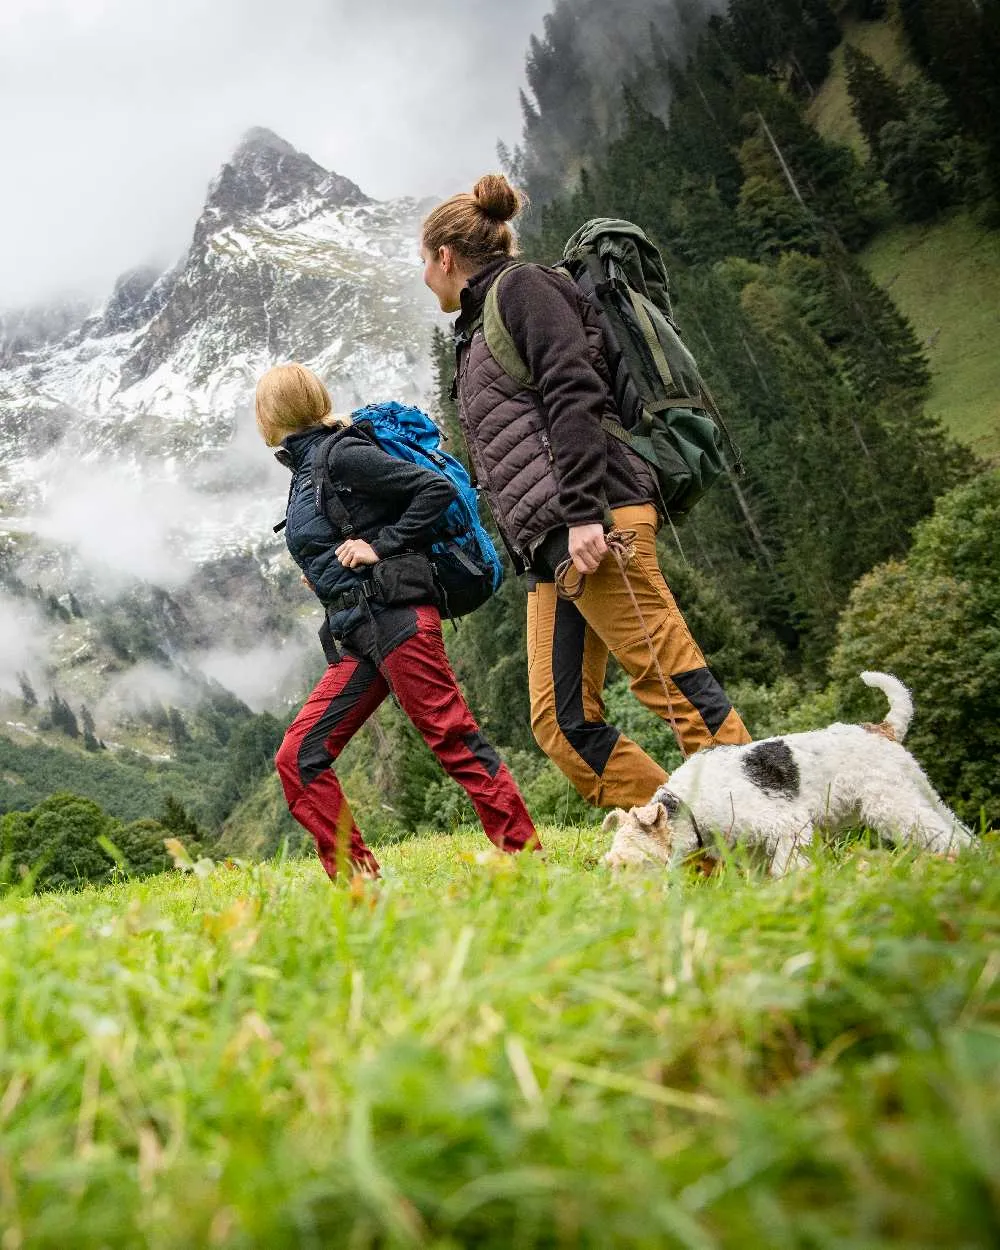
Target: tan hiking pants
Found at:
568, 647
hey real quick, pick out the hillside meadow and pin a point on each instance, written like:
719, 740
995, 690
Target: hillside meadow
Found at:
945, 278
495, 1052
943, 275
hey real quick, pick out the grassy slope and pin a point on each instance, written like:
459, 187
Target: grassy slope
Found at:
126, 786
944, 277
830, 110
509, 1054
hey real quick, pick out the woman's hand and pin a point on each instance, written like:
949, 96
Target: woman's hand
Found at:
587, 547
355, 553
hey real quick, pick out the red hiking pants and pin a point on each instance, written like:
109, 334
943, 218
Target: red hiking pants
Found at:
418, 672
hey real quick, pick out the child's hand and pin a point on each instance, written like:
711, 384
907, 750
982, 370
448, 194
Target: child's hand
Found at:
354, 553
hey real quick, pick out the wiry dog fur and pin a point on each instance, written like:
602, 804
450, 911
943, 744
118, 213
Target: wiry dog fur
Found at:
778, 793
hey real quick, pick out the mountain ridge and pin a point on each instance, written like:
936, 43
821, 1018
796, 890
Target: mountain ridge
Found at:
129, 457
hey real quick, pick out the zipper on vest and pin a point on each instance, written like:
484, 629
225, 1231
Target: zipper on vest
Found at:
548, 447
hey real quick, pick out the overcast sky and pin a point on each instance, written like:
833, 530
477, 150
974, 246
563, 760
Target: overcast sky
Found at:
115, 114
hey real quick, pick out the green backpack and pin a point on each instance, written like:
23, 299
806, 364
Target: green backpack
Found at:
667, 413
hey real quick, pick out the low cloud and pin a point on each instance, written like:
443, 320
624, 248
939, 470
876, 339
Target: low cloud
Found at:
262, 677
25, 638
121, 528
142, 686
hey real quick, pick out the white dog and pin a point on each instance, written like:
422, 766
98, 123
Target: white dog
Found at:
775, 794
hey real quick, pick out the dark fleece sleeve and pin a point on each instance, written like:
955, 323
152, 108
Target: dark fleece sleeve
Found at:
540, 312
422, 495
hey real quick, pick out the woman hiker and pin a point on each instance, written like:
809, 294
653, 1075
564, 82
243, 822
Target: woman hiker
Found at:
550, 472
384, 649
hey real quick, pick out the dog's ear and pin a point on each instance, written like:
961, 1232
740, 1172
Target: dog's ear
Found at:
612, 821
652, 819
648, 815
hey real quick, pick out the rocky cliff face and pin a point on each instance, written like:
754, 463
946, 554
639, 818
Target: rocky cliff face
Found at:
128, 452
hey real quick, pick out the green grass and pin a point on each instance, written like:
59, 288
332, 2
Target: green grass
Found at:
946, 279
506, 1053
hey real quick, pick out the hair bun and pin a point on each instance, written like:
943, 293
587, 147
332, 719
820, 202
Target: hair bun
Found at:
497, 198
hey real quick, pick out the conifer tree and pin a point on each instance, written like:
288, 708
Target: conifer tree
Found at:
917, 154
178, 820
559, 119
61, 716
913, 15
872, 343
445, 408
176, 727
28, 697
825, 176
771, 212
957, 42
90, 739
705, 127
784, 38
875, 98
702, 228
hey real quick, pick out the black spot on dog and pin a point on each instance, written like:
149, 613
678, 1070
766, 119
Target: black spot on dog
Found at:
667, 800
772, 768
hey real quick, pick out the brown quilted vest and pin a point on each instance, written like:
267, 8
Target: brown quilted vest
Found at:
506, 431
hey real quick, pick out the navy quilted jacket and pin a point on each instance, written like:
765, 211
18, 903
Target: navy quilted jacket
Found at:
393, 505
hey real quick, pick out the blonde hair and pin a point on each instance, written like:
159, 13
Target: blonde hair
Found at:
291, 398
475, 224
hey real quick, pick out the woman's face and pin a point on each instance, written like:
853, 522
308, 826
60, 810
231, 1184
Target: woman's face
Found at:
443, 277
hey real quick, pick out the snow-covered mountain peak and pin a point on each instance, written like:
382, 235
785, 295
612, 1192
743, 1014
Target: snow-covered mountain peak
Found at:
154, 390
266, 173
287, 261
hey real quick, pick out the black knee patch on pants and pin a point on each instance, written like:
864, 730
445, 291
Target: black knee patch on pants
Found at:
483, 752
593, 741
314, 758
705, 695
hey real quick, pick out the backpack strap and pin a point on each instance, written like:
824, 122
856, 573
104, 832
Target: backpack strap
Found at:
641, 307
497, 336
325, 494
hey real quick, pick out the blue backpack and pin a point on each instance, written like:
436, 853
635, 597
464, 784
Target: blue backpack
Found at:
467, 569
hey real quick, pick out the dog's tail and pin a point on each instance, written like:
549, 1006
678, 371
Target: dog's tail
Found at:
900, 704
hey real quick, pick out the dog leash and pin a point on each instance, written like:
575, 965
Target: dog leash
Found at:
621, 544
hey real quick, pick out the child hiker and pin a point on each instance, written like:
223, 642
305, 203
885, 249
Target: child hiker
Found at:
383, 647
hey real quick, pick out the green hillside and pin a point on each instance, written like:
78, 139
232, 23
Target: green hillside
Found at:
944, 277
830, 109
496, 1052
127, 785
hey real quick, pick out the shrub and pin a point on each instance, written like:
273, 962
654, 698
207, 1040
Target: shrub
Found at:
67, 841
59, 840
932, 621
141, 844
